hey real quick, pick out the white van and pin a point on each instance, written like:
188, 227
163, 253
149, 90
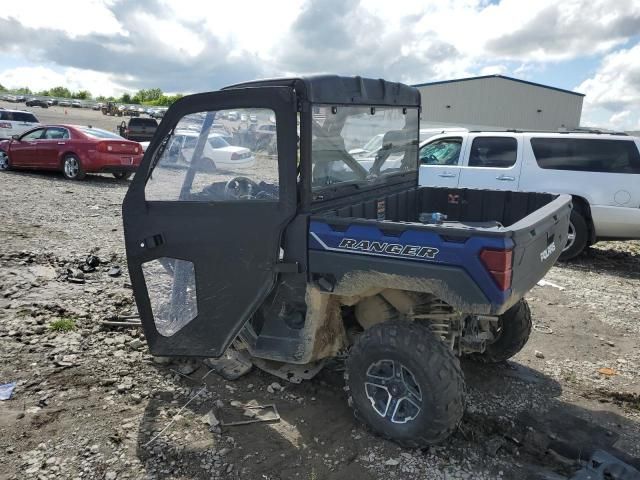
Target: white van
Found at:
601, 171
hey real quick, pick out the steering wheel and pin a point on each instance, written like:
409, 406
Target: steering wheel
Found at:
240, 188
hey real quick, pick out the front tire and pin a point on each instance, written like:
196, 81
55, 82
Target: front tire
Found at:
514, 329
577, 237
405, 384
4, 161
122, 175
72, 168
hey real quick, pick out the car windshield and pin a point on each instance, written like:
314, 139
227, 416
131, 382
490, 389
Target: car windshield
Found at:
217, 142
99, 133
342, 133
374, 144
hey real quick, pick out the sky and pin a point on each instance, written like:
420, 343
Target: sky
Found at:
114, 46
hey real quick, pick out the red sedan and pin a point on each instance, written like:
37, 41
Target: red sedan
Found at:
73, 149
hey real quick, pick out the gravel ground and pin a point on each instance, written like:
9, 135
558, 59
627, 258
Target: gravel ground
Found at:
92, 403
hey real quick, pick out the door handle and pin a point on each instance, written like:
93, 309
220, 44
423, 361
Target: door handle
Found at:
506, 177
152, 241
447, 175
61, 143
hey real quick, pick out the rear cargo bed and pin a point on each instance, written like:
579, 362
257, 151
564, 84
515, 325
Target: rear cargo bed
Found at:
383, 235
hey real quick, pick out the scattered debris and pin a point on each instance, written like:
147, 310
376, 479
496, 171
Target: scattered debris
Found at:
257, 417
542, 329
6, 389
539, 354
547, 283
392, 462
609, 372
606, 467
232, 365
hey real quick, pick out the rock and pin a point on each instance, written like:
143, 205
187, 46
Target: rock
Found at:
136, 343
224, 451
610, 343
392, 462
539, 354
110, 475
275, 387
492, 446
114, 271
92, 261
211, 419
94, 448
162, 360
187, 368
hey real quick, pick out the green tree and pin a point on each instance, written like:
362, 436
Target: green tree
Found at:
2, 88
61, 92
43, 93
125, 98
82, 95
24, 91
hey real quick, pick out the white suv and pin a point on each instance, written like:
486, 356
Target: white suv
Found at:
601, 171
14, 122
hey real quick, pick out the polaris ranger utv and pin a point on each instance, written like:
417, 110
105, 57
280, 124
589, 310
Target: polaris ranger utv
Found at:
313, 252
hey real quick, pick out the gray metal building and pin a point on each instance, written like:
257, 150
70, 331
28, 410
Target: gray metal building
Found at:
496, 101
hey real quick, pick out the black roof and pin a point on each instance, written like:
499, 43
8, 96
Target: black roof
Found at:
334, 89
503, 77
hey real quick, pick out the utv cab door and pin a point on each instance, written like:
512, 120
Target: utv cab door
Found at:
204, 216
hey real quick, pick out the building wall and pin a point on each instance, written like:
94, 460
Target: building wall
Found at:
501, 103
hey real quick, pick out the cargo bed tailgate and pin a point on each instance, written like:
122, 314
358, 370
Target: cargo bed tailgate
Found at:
538, 242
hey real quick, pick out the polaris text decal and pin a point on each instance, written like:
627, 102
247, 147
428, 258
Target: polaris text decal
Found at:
546, 253
370, 246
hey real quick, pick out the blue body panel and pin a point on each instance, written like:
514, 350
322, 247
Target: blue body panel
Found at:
415, 246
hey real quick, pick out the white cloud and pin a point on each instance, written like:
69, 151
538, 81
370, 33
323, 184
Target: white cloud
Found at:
620, 118
615, 88
494, 70
41, 78
189, 45
75, 18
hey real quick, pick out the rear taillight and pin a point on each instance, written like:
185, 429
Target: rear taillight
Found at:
104, 147
5, 125
499, 264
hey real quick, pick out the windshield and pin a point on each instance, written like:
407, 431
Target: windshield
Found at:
374, 144
362, 145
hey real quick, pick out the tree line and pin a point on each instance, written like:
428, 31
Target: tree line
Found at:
150, 96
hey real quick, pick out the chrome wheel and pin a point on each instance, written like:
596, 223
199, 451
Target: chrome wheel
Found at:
71, 167
4, 161
571, 237
393, 391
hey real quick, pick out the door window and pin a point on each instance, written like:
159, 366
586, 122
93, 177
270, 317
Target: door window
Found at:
171, 285
587, 155
493, 152
231, 162
445, 151
56, 133
34, 135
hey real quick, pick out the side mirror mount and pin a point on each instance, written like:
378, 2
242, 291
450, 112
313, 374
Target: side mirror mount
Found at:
16, 137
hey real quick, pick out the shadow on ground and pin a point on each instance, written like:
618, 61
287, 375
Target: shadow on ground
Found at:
514, 415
